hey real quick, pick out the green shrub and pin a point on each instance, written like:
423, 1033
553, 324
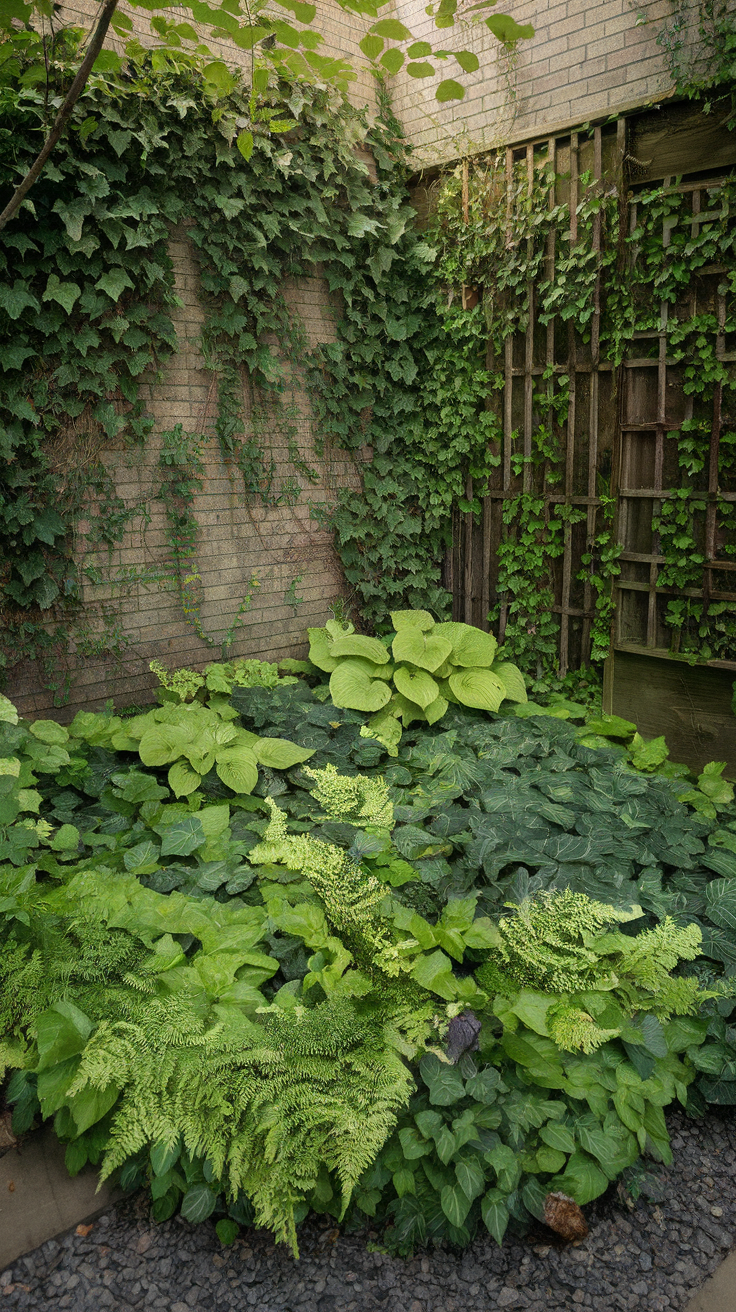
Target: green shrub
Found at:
252, 1000
433, 665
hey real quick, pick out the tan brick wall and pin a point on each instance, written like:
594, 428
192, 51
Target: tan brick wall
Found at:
585, 61
238, 538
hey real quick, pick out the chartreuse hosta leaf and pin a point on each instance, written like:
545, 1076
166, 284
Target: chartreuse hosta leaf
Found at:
433, 665
190, 738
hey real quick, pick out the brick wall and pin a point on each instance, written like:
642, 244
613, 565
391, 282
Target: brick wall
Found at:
237, 540
585, 61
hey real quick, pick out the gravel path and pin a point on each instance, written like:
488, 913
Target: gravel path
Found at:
652, 1256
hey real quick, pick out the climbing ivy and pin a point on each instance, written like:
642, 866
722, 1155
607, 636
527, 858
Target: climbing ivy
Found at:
88, 292
410, 384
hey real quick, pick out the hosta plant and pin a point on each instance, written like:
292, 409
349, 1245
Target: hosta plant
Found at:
415, 673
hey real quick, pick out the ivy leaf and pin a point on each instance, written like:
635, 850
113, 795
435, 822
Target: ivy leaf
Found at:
371, 46
14, 300
468, 62
449, 89
119, 140
391, 28
14, 357
422, 69
444, 1082
66, 839
66, 293
114, 282
507, 31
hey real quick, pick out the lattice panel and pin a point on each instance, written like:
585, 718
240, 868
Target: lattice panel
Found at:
619, 437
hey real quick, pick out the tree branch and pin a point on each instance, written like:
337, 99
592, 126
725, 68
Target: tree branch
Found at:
72, 96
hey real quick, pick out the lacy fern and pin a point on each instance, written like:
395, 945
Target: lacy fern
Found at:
601, 982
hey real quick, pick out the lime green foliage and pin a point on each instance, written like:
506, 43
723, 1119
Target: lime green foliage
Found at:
354, 798
595, 982
705, 70
185, 685
171, 1053
433, 665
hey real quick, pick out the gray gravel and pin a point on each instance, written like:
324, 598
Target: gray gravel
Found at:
650, 1255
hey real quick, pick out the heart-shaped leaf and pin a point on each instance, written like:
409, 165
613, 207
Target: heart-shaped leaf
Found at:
416, 685
352, 688
478, 688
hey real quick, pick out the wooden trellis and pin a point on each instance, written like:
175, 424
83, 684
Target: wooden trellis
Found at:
618, 419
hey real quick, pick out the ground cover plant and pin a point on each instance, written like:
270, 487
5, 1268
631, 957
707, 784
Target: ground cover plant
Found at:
430, 989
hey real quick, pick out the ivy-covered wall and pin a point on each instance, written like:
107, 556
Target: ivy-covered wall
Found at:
196, 350
259, 573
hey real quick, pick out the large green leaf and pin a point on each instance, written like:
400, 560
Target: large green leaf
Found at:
412, 619
182, 780
557, 1136
416, 685
495, 1214
279, 753
507, 30
320, 653
351, 687
471, 647
8, 713
90, 1105
198, 1203
478, 688
434, 972
183, 837
426, 650
445, 1083
62, 1031
582, 1179
455, 1204
512, 679
163, 743
48, 731
237, 767
720, 897
357, 644
470, 1177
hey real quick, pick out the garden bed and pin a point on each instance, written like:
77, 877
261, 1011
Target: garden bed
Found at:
436, 978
